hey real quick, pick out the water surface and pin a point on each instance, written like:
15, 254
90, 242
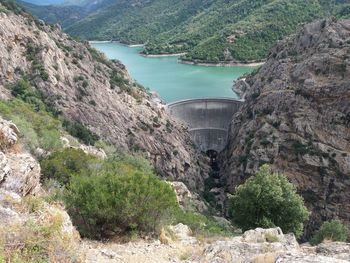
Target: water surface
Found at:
171, 80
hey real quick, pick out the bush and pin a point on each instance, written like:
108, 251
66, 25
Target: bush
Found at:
23, 90
117, 80
60, 166
333, 230
268, 200
79, 131
119, 203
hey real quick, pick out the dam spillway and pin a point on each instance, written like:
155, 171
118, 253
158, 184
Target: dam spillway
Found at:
208, 120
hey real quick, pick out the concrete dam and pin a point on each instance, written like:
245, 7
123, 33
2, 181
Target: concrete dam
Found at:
208, 120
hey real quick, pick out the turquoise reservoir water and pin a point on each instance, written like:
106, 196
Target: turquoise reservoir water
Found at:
171, 80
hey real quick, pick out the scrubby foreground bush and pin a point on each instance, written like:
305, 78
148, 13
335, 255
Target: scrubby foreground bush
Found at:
333, 230
116, 196
268, 200
113, 203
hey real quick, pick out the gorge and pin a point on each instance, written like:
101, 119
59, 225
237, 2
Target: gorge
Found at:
93, 157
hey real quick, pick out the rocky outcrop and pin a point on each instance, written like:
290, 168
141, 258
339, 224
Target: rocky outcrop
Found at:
24, 215
270, 245
19, 171
296, 117
82, 85
259, 245
188, 201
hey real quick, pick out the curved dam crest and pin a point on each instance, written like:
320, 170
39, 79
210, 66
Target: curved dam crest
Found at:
208, 120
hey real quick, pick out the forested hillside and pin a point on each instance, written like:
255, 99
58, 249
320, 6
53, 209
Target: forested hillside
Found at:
45, 2
66, 13
210, 30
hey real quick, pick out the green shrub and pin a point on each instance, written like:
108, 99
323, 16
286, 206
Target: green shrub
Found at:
23, 90
79, 131
268, 200
61, 165
333, 230
117, 80
124, 201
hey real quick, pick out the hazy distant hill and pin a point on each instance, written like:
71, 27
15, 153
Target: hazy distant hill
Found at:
65, 13
44, 2
209, 30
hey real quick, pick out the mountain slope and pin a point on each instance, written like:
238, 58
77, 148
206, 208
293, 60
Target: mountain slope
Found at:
210, 31
64, 15
79, 83
67, 13
44, 2
296, 117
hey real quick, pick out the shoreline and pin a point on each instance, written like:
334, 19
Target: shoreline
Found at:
162, 55
99, 41
112, 41
135, 45
186, 62
228, 64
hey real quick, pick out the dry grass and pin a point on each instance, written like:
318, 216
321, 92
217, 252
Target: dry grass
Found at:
40, 237
265, 258
271, 238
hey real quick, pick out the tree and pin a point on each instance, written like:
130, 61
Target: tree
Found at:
268, 200
333, 230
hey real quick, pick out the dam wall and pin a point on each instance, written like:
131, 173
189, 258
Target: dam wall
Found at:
208, 120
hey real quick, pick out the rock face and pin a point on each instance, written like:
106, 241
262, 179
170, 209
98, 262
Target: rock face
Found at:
19, 171
82, 85
20, 203
296, 117
188, 201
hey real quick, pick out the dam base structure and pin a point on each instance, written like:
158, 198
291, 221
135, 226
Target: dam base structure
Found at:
208, 120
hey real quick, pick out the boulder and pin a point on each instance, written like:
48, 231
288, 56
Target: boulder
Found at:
339, 250
8, 134
188, 201
184, 234
271, 245
23, 176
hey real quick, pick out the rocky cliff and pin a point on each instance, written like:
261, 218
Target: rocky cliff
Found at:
29, 223
80, 84
296, 117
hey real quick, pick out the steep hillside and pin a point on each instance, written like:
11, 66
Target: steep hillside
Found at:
79, 84
209, 31
296, 117
66, 13
45, 2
